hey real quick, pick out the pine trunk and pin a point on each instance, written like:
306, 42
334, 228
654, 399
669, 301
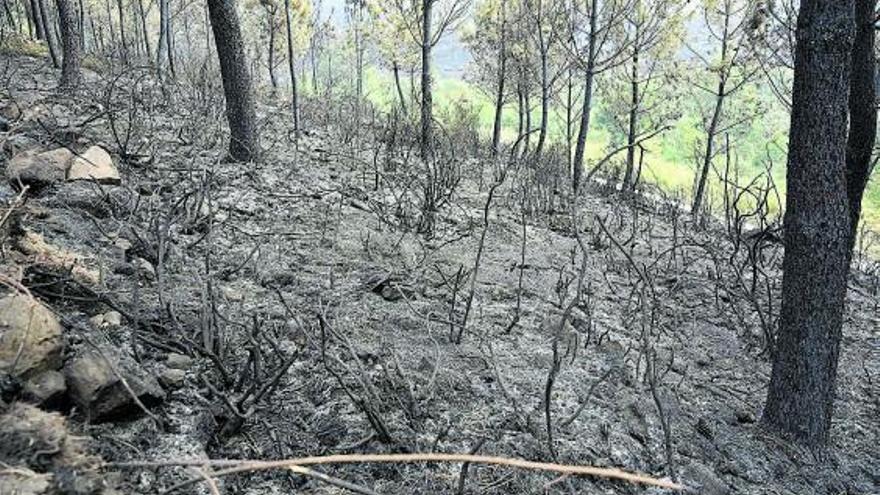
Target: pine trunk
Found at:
800, 397
237, 86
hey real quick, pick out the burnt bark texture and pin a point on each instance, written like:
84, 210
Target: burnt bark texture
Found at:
244, 143
427, 121
589, 76
862, 112
47, 32
70, 44
502, 76
800, 399
291, 65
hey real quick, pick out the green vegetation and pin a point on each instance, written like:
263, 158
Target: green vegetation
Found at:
670, 158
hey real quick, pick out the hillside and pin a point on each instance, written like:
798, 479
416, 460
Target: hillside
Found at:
308, 305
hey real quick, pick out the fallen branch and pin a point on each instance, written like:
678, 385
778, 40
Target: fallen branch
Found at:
247, 466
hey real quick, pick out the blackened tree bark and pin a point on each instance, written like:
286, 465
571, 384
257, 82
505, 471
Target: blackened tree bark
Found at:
712, 131
143, 18
47, 32
37, 19
396, 70
427, 137
122, 37
629, 182
862, 112
244, 144
589, 76
70, 43
800, 398
271, 11
502, 76
292, 66
161, 50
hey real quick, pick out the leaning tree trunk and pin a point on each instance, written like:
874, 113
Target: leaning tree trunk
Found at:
70, 44
862, 113
396, 71
47, 32
800, 397
427, 138
37, 19
294, 102
244, 142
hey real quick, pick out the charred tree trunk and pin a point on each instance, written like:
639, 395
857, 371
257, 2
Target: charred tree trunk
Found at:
244, 142
47, 32
589, 75
862, 112
271, 58
70, 43
545, 102
37, 19
163, 36
633, 124
294, 97
720, 95
800, 397
143, 18
396, 69
502, 76
427, 138
122, 38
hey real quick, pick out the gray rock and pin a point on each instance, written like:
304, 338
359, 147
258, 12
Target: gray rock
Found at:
4, 124
31, 339
110, 319
97, 389
46, 390
172, 378
95, 165
39, 169
145, 268
178, 362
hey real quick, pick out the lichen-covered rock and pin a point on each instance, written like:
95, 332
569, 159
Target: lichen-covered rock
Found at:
96, 386
31, 339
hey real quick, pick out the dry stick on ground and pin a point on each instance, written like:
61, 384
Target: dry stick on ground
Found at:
245, 466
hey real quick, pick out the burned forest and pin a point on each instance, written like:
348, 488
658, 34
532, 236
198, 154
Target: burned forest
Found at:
459, 247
